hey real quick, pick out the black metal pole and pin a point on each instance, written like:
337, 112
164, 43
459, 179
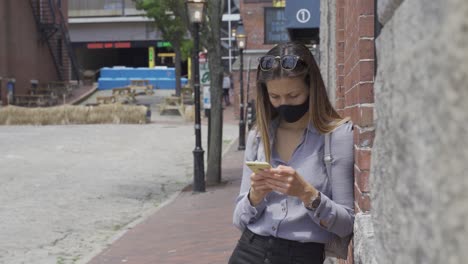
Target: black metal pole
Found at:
198, 168
241, 116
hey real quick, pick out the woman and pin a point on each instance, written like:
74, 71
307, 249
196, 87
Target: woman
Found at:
287, 213
226, 87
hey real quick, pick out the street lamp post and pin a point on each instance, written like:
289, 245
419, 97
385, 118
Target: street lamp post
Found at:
195, 10
241, 39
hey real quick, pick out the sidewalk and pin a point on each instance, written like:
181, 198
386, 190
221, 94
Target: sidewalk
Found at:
193, 228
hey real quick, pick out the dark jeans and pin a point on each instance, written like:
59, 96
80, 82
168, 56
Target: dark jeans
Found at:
255, 249
226, 96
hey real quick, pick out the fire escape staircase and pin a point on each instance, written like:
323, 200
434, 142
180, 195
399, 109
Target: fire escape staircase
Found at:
53, 29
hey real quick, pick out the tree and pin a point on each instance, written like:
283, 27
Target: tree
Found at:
170, 19
211, 31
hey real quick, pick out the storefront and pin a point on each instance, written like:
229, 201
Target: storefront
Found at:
303, 20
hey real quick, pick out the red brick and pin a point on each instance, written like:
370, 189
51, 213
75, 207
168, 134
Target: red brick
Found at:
362, 199
339, 103
340, 46
366, 7
340, 18
363, 159
341, 112
366, 70
356, 205
366, 93
347, 67
347, 82
366, 26
340, 56
355, 76
340, 81
365, 203
364, 139
366, 49
340, 69
353, 112
352, 96
362, 180
366, 117
340, 36
356, 58
340, 92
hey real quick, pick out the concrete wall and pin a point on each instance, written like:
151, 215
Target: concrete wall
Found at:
22, 55
123, 31
327, 46
419, 162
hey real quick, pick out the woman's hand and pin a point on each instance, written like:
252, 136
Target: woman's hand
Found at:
258, 187
286, 180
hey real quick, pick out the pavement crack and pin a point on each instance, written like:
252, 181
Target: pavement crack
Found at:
56, 241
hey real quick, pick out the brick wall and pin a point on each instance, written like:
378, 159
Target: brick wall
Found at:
252, 14
253, 19
22, 56
355, 81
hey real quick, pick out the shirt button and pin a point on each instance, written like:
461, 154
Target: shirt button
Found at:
273, 228
267, 261
283, 209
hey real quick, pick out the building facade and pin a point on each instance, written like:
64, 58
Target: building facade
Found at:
252, 15
33, 44
108, 33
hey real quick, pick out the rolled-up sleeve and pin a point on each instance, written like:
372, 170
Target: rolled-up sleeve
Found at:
244, 212
337, 212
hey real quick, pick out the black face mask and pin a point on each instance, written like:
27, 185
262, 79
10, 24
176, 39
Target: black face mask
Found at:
292, 113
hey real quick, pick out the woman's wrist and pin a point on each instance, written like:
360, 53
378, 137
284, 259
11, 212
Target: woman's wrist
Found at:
308, 193
255, 198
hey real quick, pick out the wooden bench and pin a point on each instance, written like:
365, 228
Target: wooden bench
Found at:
172, 103
61, 89
125, 92
106, 99
34, 100
138, 86
186, 93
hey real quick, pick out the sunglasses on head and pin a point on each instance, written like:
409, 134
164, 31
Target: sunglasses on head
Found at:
287, 62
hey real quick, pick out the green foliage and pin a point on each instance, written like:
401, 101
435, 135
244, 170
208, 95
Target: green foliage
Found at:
186, 48
169, 16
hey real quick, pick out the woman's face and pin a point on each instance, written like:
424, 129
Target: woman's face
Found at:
287, 91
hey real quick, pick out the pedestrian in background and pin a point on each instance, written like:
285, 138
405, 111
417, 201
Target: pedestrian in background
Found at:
226, 87
289, 212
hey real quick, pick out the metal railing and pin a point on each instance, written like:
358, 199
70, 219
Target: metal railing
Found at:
53, 30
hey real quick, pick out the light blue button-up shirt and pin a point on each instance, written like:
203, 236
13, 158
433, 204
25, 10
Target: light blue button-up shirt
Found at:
285, 216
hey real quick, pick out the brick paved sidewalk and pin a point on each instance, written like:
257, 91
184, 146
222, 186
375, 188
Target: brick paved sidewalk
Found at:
194, 228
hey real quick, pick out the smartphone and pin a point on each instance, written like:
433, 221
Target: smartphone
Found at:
257, 166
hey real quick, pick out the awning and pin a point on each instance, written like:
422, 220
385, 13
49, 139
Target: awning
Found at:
303, 19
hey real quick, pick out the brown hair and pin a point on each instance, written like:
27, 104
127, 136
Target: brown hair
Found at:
322, 114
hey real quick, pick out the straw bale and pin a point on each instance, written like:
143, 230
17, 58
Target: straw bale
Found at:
62, 115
